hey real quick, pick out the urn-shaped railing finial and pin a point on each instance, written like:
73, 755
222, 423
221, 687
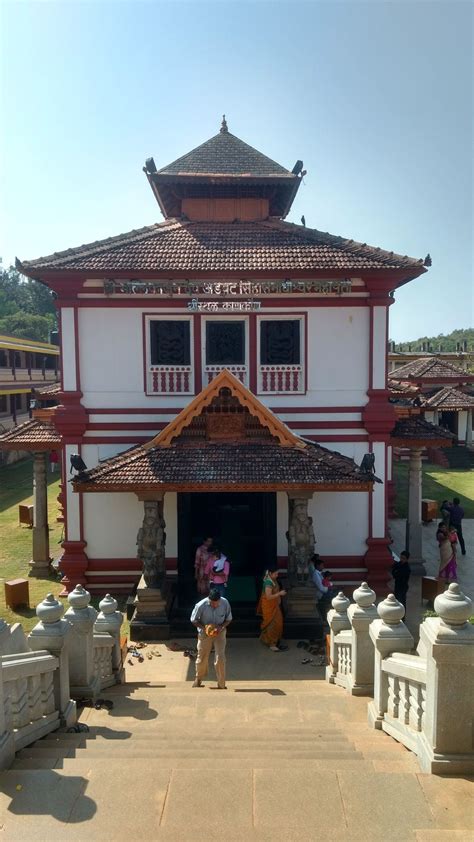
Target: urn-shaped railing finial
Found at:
453, 607
391, 611
79, 597
364, 596
50, 610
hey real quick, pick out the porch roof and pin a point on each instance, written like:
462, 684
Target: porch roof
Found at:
449, 399
416, 432
226, 467
32, 435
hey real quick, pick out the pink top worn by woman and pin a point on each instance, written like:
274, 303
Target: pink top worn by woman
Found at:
220, 577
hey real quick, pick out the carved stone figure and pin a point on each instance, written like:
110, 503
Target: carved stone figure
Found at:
301, 539
151, 543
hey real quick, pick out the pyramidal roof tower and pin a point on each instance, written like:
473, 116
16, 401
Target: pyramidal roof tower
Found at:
224, 179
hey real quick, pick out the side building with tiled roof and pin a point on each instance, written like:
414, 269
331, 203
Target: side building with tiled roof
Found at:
295, 317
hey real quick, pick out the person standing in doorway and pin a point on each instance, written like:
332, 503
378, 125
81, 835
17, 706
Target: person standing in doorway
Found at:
211, 616
401, 574
218, 570
200, 565
457, 514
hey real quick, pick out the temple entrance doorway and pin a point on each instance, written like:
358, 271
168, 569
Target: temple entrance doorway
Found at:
243, 525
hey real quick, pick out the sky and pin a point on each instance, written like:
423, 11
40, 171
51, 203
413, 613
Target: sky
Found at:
375, 98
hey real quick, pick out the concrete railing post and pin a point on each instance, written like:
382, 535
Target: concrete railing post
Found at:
448, 641
361, 615
338, 621
388, 634
7, 743
81, 616
53, 633
110, 620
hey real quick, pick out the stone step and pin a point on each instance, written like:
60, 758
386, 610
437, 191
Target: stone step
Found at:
173, 754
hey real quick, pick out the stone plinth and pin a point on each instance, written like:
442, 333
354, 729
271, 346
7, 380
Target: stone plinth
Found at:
302, 617
150, 620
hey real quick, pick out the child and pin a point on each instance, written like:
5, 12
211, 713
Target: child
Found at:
327, 579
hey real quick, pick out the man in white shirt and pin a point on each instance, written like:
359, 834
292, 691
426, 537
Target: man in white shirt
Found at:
214, 610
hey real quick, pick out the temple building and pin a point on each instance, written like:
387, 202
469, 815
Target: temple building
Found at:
224, 373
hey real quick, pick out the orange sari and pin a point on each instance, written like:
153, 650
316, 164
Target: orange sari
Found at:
272, 618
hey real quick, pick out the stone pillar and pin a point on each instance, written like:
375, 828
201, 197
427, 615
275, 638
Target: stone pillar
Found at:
81, 616
469, 428
301, 535
151, 543
361, 615
388, 634
110, 620
448, 641
338, 621
150, 619
53, 633
39, 565
7, 744
414, 525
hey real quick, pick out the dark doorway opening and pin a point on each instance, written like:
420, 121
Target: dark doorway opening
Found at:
449, 420
244, 527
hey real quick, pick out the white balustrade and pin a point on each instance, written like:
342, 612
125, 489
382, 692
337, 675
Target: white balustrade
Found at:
338, 655
103, 671
351, 651
239, 371
280, 379
82, 616
170, 380
109, 620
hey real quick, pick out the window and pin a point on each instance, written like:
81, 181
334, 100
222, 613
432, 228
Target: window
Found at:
3, 359
170, 342
3, 403
280, 342
225, 343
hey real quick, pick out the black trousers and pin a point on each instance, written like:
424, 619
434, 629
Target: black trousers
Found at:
460, 537
401, 596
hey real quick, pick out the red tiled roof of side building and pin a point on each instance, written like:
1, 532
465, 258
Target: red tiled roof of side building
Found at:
430, 368
183, 246
229, 465
417, 428
32, 435
449, 398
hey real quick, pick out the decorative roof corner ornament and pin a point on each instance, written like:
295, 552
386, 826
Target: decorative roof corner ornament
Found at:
427, 261
367, 466
224, 129
77, 464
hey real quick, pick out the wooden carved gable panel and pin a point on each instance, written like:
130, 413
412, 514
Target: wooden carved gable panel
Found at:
225, 419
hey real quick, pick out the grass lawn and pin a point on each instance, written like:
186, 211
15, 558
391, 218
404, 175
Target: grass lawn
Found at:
438, 484
16, 486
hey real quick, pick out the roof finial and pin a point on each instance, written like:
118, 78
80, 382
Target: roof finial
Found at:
224, 128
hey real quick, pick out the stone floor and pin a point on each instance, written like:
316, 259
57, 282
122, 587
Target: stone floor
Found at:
279, 755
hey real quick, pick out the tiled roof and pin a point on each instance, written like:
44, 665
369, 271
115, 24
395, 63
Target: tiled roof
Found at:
231, 465
51, 390
431, 368
417, 428
449, 398
225, 154
180, 246
32, 435
402, 387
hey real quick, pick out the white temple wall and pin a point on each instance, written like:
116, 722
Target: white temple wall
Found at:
340, 521
111, 524
462, 424
337, 356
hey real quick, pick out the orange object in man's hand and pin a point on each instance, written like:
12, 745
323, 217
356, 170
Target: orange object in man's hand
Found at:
211, 630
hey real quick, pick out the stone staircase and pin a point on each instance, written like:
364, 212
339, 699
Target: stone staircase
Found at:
265, 760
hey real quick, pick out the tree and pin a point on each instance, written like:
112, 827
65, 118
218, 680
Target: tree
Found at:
27, 326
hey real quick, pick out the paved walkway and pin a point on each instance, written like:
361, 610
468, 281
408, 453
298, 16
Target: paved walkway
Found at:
279, 755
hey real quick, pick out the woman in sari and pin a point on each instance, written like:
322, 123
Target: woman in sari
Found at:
200, 564
447, 540
269, 609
